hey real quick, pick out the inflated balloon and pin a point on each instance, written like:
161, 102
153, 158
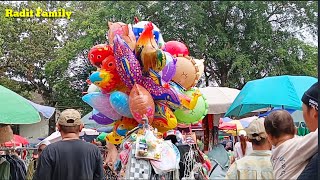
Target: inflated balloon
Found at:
108, 81
101, 103
148, 52
195, 115
102, 137
106, 129
127, 65
100, 118
120, 103
176, 48
187, 103
200, 65
186, 72
164, 119
169, 70
141, 103
93, 88
159, 92
139, 27
98, 53
124, 31
114, 138
124, 125
129, 69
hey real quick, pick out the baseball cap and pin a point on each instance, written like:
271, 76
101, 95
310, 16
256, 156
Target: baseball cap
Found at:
256, 129
242, 133
70, 117
310, 97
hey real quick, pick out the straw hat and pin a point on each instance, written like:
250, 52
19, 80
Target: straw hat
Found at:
6, 133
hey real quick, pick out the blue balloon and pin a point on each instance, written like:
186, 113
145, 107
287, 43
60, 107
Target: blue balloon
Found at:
120, 103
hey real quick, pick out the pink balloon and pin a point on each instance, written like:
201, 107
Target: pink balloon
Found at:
101, 103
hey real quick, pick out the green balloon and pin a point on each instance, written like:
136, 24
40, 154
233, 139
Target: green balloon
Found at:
195, 115
102, 137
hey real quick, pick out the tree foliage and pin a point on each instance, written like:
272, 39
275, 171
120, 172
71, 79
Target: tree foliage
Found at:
240, 41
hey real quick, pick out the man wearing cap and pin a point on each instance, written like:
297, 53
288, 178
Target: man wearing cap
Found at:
310, 115
71, 158
257, 164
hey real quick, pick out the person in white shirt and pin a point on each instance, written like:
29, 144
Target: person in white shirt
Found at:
243, 147
291, 154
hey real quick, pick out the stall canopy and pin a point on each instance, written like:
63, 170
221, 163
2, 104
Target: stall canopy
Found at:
277, 91
15, 109
219, 98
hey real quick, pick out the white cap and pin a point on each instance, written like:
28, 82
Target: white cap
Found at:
242, 133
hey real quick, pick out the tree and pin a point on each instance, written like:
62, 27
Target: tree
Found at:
241, 41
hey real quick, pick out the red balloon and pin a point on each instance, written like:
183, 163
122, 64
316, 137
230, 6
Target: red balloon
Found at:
98, 53
141, 103
176, 48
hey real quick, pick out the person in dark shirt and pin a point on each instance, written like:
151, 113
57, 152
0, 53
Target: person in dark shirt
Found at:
71, 158
310, 116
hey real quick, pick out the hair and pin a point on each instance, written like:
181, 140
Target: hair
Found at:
258, 143
279, 123
243, 143
70, 129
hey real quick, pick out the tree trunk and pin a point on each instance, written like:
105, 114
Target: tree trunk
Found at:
52, 124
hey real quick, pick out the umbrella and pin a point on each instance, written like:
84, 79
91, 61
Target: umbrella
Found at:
297, 115
14, 109
16, 141
278, 91
219, 98
56, 136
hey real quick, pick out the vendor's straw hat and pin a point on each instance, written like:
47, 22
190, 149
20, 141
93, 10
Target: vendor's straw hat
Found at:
6, 133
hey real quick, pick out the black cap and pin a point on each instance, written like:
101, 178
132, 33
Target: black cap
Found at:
310, 97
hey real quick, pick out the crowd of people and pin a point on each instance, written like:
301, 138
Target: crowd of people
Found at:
268, 149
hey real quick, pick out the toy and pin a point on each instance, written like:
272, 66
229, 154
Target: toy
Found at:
148, 52
143, 148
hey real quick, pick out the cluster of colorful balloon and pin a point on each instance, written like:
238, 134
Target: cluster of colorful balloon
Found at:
139, 75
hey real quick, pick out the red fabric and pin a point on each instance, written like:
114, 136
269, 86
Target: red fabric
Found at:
227, 126
16, 141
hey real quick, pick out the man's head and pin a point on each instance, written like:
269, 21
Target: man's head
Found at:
257, 134
43, 144
69, 122
310, 106
279, 124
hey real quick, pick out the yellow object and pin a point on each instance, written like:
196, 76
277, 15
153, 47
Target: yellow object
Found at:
193, 102
114, 138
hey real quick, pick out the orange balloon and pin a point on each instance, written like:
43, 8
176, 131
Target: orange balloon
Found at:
141, 103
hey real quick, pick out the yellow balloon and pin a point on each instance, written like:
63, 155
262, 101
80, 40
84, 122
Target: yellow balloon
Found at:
114, 138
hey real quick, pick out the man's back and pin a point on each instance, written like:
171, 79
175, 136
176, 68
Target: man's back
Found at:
70, 160
255, 165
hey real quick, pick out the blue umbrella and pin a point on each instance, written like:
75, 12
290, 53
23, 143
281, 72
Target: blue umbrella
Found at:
275, 109
278, 91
